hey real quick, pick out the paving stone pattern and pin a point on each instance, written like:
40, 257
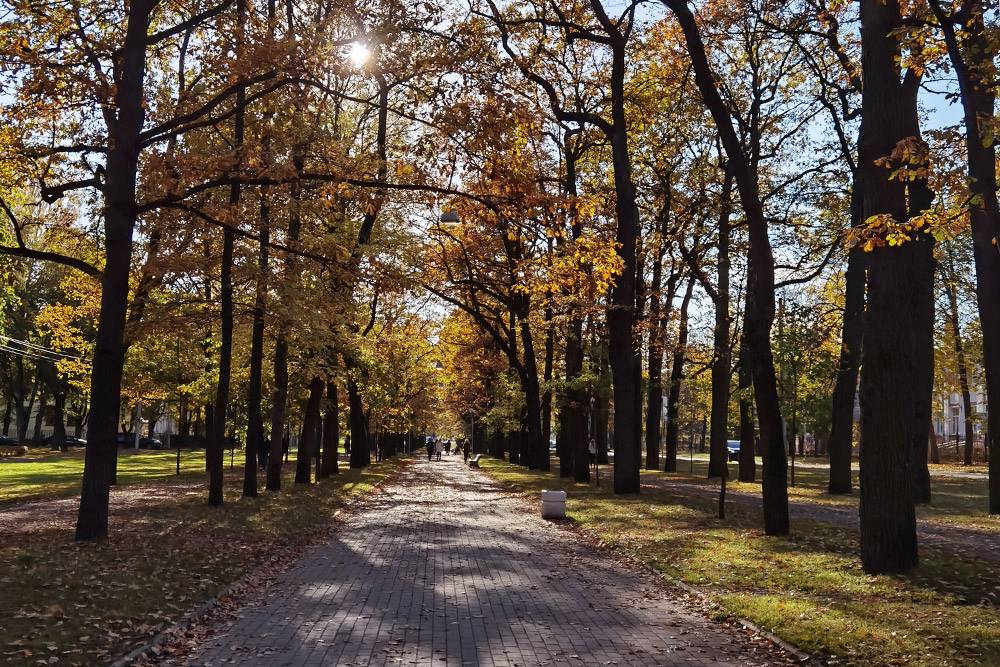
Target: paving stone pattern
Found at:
443, 568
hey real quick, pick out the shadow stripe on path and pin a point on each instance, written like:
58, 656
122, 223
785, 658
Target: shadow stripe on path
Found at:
445, 568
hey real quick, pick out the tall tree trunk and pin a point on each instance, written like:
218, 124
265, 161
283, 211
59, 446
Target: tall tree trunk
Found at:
360, 445
851, 339
921, 291
279, 400
279, 407
22, 412
573, 418
43, 403
760, 295
621, 316
217, 434
331, 432
255, 417
573, 440
718, 455
748, 449
888, 394
119, 221
36, 393
547, 372
659, 316
537, 451
933, 444
59, 415
978, 104
184, 427
676, 377
7, 412
659, 312
81, 417
310, 431
601, 408
963, 371
640, 316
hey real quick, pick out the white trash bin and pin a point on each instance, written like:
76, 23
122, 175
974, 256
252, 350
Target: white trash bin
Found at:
553, 504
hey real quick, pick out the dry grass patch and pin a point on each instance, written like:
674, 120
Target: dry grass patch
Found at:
81, 604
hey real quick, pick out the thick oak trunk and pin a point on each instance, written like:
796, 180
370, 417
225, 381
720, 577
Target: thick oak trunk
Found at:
888, 391
621, 316
573, 436
361, 455
309, 442
535, 449
119, 221
331, 433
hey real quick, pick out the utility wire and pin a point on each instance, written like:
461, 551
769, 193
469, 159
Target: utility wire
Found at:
34, 355
35, 349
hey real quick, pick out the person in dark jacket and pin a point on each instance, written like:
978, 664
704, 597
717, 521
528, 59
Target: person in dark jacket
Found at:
430, 448
466, 450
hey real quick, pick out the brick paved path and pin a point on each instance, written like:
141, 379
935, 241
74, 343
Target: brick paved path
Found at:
444, 568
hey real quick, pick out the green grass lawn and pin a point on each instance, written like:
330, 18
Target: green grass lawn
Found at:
68, 603
808, 588
48, 474
954, 499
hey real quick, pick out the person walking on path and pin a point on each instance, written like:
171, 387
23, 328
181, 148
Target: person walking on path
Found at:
466, 449
430, 448
438, 446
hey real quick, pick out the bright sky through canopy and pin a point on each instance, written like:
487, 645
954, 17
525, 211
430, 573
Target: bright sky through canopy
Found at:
359, 54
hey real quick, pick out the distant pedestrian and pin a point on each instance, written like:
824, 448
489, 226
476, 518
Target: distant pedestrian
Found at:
466, 450
438, 447
430, 448
447, 446
592, 448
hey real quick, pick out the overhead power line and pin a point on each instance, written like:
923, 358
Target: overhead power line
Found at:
24, 348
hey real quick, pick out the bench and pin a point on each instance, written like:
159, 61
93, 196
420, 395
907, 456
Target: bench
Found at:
13, 450
474, 461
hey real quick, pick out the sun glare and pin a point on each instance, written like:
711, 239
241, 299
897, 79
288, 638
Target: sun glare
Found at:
359, 54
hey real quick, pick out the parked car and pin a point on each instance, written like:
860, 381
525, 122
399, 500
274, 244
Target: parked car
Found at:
127, 441
733, 447
71, 441
6, 441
